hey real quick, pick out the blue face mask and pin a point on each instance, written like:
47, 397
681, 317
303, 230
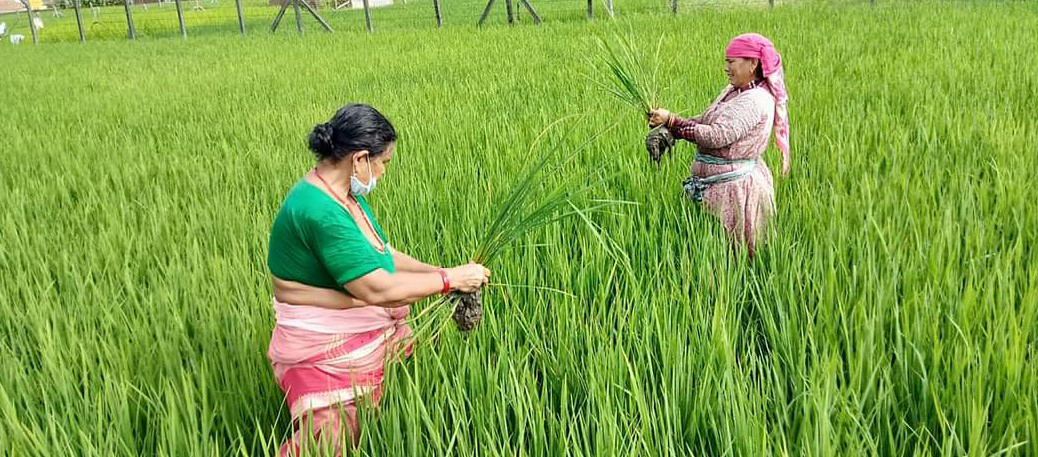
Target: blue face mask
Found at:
358, 188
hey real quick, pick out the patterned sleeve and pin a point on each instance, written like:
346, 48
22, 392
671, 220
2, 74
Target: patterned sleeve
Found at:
684, 128
736, 120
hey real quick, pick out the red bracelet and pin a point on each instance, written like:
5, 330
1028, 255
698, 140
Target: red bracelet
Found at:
446, 281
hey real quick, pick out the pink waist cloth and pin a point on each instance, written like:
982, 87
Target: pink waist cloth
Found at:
322, 357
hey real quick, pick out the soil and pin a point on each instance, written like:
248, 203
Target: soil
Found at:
468, 310
659, 141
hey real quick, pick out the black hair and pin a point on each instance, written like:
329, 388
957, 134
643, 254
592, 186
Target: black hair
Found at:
354, 127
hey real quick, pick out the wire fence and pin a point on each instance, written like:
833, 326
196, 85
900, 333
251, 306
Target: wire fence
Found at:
145, 19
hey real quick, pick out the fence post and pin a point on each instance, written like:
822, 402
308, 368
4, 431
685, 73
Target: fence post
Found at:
131, 30
299, 16
533, 12
32, 25
439, 16
511, 12
79, 21
590, 9
241, 17
486, 12
180, 18
313, 13
367, 16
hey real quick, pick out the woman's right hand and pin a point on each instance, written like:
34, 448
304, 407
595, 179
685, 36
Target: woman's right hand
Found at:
659, 117
468, 278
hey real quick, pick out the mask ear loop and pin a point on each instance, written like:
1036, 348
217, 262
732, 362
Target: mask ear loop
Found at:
367, 159
371, 173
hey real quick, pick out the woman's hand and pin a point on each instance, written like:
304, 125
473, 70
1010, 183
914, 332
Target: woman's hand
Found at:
659, 117
468, 278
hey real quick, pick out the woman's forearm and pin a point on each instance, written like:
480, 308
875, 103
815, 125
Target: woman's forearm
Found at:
391, 291
381, 288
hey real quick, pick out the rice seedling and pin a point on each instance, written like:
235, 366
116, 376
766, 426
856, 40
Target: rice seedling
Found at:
527, 208
635, 81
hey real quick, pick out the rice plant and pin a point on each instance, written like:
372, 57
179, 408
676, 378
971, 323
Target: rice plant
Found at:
632, 76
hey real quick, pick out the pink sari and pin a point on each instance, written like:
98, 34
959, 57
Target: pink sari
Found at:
326, 359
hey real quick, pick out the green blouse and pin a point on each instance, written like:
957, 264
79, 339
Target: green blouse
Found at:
315, 241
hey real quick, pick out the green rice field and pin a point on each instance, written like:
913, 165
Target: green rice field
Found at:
894, 310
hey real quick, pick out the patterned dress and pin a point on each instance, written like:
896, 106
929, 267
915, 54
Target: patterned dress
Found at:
736, 126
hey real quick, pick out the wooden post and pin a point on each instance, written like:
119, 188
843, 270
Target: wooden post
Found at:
367, 16
486, 12
510, 11
241, 17
131, 30
439, 17
316, 16
674, 6
32, 25
299, 16
281, 14
529, 7
180, 18
771, 3
609, 8
590, 9
79, 21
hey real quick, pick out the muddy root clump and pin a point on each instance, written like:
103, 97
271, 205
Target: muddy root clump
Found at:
468, 309
659, 141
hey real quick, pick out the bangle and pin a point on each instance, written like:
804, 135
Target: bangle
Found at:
446, 281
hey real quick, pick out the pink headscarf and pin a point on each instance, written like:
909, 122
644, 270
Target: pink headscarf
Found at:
754, 46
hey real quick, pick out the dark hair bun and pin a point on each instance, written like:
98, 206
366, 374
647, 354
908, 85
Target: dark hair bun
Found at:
321, 141
354, 127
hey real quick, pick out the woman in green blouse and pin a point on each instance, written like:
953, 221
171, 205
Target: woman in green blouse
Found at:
340, 290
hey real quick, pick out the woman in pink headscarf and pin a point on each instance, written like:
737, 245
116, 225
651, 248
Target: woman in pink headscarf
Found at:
728, 174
